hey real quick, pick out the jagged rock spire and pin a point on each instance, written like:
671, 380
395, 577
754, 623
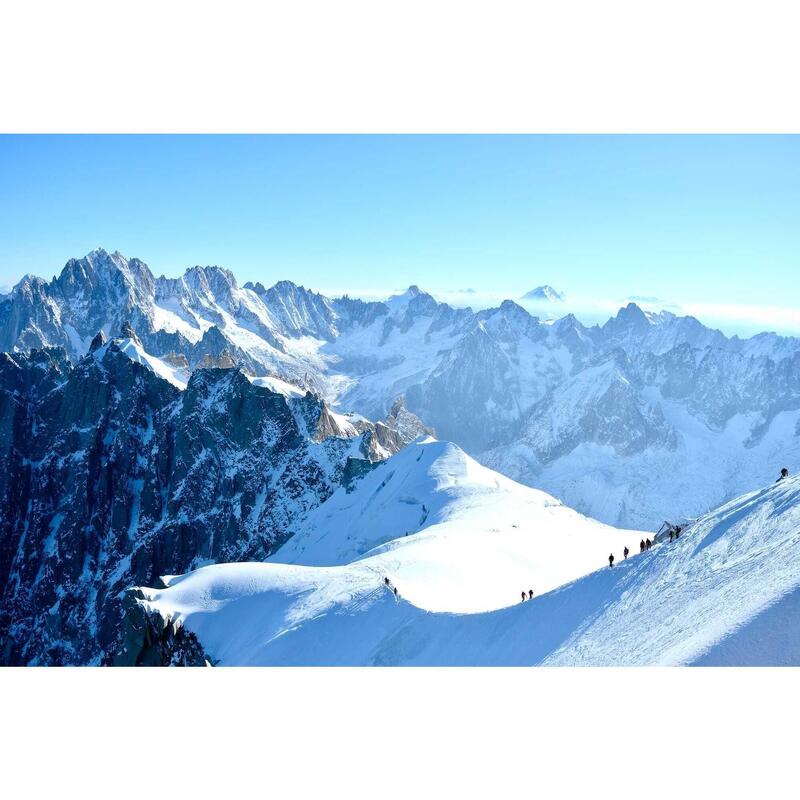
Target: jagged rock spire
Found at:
98, 341
128, 332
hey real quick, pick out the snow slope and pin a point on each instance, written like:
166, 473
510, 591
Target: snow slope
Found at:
177, 376
475, 540
724, 593
454, 535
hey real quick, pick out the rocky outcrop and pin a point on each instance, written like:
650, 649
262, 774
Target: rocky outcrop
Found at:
114, 477
150, 640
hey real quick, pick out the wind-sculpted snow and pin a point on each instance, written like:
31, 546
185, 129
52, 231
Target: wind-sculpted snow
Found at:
722, 593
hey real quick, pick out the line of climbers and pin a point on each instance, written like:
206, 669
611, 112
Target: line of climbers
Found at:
674, 531
646, 544
391, 586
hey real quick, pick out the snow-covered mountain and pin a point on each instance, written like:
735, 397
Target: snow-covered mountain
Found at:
726, 591
649, 415
637, 440
113, 475
447, 533
544, 294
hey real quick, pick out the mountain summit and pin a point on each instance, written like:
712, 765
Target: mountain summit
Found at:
545, 294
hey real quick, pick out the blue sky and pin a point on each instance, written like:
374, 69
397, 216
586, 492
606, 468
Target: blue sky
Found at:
709, 223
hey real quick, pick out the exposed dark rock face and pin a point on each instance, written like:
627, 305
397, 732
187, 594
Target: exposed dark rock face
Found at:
114, 477
150, 640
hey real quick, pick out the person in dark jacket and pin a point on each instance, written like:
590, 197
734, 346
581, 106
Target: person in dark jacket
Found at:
641, 546
611, 560
625, 552
784, 474
524, 597
647, 544
530, 594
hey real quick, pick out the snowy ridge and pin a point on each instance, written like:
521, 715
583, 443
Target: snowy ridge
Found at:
474, 541
177, 376
728, 583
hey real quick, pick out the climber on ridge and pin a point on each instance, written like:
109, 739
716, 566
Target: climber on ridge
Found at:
611, 560
625, 552
784, 474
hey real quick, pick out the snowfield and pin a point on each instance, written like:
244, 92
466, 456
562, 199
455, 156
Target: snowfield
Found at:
724, 593
451, 535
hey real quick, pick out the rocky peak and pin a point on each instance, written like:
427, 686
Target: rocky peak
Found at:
127, 332
222, 361
212, 283
177, 360
299, 311
256, 287
407, 424
98, 341
545, 294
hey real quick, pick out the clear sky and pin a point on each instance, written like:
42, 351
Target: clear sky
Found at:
710, 223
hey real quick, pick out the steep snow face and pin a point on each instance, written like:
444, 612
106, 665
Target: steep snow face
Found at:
726, 586
278, 385
178, 376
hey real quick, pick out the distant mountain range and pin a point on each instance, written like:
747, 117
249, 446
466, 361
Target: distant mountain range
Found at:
647, 415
